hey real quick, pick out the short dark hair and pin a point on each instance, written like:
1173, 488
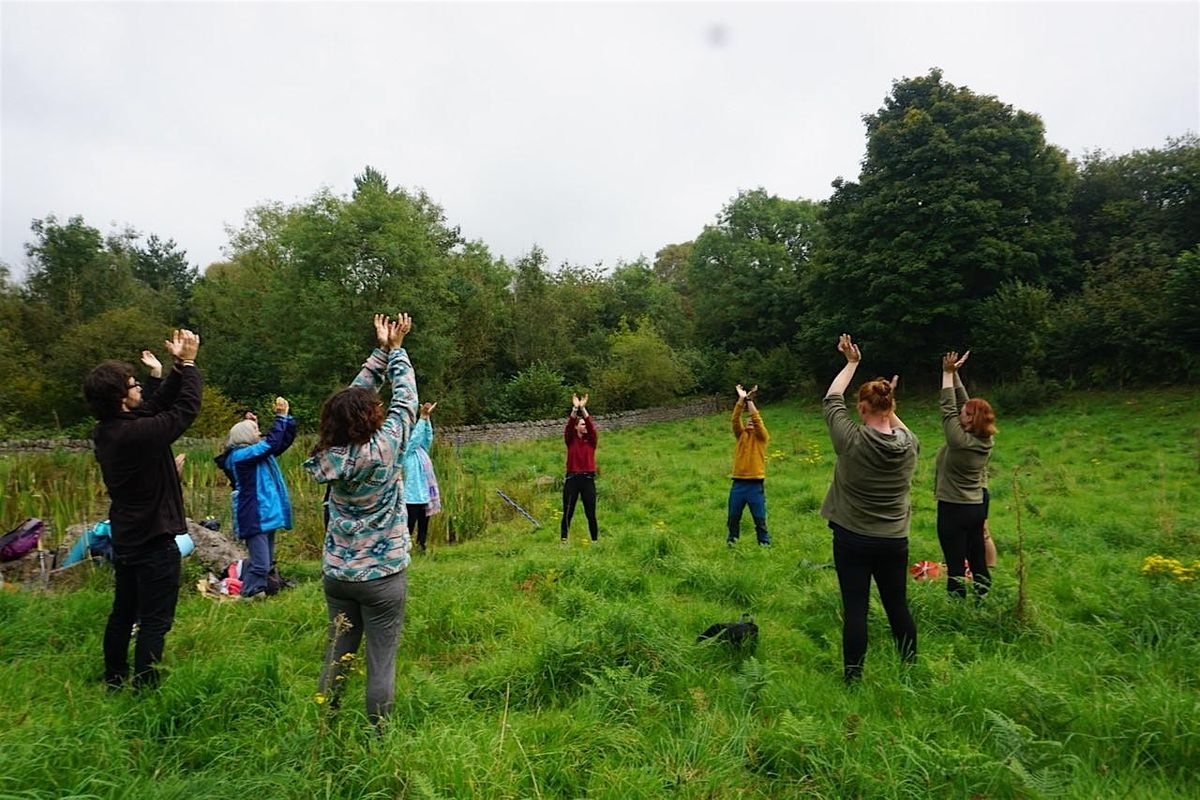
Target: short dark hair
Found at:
106, 386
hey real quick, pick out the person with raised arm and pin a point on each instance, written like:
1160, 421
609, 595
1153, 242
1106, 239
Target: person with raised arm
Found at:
580, 436
358, 455
749, 470
260, 501
969, 425
867, 506
421, 495
132, 440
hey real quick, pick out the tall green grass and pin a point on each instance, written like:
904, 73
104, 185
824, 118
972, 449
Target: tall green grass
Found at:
533, 670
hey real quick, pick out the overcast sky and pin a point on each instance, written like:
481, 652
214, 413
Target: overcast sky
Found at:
599, 131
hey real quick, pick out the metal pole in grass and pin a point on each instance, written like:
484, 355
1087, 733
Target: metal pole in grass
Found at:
1021, 610
513, 503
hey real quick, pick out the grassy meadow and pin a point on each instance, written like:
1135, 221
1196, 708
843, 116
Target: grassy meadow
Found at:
531, 670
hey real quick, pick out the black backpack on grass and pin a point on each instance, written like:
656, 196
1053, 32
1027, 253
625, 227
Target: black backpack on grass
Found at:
741, 635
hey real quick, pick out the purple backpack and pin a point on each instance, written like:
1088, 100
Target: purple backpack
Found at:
21, 539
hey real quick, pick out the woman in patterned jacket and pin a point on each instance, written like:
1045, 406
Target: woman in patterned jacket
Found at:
358, 454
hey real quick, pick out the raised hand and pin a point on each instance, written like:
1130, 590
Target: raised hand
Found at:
382, 333
151, 361
398, 329
750, 394
583, 401
741, 392
427, 409
849, 349
282, 406
183, 345
958, 364
895, 380
574, 401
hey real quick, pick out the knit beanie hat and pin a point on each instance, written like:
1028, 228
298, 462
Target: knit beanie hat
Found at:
243, 433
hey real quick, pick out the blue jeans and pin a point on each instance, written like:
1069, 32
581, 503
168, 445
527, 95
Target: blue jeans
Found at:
748, 493
262, 554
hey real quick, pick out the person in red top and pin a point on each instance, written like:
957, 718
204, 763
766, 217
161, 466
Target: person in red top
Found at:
580, 435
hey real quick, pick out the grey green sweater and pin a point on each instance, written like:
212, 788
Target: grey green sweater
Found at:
961, 466
872, 476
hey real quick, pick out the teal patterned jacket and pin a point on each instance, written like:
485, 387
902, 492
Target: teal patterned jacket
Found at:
367, 535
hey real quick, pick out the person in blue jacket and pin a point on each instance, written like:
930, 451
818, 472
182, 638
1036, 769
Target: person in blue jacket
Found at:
420, 484
260, 498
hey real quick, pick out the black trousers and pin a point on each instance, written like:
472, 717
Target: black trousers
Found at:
418, 519
858, 559
960, 531
146, 588
580, 485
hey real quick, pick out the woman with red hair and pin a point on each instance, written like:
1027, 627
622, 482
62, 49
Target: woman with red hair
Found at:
961, 483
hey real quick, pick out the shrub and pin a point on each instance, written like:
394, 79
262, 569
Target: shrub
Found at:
642, 370
1024, 395
536, 392
217, 414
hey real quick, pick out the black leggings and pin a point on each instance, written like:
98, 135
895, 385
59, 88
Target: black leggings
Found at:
960, 530
417, 518
577, 485
859, 558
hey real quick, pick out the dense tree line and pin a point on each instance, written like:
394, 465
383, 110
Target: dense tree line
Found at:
964, 229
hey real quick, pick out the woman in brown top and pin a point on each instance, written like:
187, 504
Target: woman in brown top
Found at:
961, 484
868, 509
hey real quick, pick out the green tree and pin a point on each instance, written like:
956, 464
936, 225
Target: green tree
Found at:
536, 392
479, 288
163, 267
959, 194
291, 312
745, 274
642, 370
1118, 330
22, 372
72, 272
1146, 196
636, 291
670, 263
1009, 333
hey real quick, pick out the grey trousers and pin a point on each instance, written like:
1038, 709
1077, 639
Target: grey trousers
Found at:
377, 609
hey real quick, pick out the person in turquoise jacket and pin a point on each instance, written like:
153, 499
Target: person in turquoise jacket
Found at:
261, 504
421, 494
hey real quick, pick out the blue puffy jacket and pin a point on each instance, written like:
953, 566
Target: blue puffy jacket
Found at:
260, 497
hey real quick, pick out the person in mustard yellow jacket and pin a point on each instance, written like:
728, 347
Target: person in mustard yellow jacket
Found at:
749, 469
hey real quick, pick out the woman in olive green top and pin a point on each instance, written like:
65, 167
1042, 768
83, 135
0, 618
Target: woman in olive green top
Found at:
868, 509
961, 484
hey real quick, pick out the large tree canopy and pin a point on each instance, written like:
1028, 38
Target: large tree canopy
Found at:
959, 194
745, 273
